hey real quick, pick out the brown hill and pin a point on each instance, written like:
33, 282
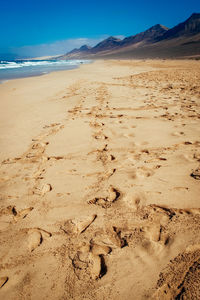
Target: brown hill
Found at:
183, 40
150, 35
190, 27
107, 44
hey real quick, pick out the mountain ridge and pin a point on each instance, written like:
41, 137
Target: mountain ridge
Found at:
108, 43
181, 38
151, 34
188, 27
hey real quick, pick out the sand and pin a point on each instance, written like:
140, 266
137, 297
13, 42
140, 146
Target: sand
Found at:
100, 183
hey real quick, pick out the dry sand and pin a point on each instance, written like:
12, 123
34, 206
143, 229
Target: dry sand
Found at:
100, 183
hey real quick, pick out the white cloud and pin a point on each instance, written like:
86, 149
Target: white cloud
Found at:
56, 48
121, 37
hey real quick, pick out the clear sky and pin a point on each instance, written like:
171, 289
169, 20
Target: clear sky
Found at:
39, 27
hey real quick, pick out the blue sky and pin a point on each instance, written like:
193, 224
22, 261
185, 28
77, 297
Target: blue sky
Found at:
50, 27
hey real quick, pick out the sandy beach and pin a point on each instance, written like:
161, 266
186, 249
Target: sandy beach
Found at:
100, 183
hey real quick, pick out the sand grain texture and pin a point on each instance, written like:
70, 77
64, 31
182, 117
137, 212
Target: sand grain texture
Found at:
100, 183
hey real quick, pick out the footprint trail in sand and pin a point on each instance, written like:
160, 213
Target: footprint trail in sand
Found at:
104, 204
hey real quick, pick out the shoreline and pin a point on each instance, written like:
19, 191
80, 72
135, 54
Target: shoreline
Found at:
99, 177
153, 60
41, 73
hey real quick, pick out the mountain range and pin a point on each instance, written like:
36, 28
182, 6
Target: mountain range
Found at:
181, 41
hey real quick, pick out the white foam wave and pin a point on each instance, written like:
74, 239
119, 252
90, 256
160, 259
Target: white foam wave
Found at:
13, 65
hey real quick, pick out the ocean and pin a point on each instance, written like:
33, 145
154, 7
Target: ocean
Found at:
27, 68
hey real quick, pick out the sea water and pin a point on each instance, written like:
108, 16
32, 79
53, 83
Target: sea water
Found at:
27, 68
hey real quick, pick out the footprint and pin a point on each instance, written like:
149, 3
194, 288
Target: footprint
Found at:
95, 266
38, 174
42, 190
78, 226
144, 172
178, 133
196, 174
22, 213
116, 238
34, 240
36, 237
112, 157
52, 125
145, 151
97, 249
3, 281
36, 157
135, 199
56, 157
89, 259
11, 160
132, 174
165, 212
113, 195
31, 155
197, 156
100, 136
10, 211
39, 145
155, 233
109, 173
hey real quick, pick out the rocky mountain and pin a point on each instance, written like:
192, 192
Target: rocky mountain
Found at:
113, 43
183, 40
77, 51
190, 27
109, 43
150, 35
85, 48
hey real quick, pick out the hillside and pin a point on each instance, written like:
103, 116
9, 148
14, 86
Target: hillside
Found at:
183, 40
